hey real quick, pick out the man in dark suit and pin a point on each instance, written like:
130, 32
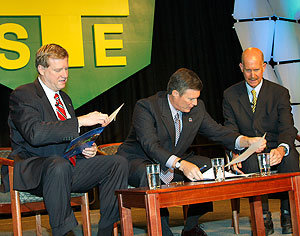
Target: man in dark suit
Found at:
265, 110
152, 139
40, 133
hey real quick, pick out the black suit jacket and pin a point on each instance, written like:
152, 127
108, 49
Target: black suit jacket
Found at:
272, 115
152, 135
36, 132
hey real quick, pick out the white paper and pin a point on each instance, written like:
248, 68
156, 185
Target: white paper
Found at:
253, 147
114, 114
209, 174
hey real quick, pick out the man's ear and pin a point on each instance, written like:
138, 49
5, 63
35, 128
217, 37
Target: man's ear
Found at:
242, 67
41, 69
175, 93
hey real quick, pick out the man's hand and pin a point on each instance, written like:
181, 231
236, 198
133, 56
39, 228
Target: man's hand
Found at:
237, 166
93, 118
276, 156
190, 170
90, 152
247, 141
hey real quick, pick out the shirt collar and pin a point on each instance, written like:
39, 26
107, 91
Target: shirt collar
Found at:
173, 110
257, 88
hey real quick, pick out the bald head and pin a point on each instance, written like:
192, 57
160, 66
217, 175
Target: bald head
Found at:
253, 66
252, 53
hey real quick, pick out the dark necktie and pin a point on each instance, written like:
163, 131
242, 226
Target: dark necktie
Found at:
61, 113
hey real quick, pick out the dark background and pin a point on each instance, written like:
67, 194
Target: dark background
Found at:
196, 34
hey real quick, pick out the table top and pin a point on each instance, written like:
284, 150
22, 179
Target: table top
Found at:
180, 186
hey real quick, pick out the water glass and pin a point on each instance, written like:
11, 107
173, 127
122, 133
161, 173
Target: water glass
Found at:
264, 163
218, 169
153, 171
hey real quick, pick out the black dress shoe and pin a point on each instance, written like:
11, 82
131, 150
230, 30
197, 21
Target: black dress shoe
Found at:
269, 227
196, 231
286, 224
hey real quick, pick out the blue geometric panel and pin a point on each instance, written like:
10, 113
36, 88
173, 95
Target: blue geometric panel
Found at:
289, 9
248, 9
257, 34
296, 115
269, 74
289, 76
286, 41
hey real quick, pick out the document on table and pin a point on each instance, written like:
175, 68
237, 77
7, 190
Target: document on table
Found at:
209, 174
248, 152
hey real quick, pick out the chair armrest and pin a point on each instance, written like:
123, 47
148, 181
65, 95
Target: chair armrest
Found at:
6, 162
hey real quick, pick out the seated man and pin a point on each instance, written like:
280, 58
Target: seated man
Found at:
163, 128
42, 123
257, 106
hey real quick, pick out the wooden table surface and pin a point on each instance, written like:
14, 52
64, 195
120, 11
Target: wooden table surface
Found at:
177, 194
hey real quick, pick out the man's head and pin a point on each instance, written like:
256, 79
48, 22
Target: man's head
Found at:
253, 66
52, 65
184, 89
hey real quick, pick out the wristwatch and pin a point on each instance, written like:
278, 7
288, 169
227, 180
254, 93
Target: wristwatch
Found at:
177, 164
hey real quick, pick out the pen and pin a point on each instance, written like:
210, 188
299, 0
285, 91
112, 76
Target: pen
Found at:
203, 167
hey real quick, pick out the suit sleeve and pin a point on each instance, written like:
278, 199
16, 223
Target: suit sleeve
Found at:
145, 126
30, 118
286, 130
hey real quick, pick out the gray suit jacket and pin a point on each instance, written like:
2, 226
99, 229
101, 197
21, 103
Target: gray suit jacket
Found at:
152, 135
36, 133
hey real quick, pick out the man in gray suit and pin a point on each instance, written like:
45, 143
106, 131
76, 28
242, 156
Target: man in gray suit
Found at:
257, 106
40, 133
152, 139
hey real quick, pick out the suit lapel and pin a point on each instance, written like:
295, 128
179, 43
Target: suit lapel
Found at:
244, 99
47, 106
167, 117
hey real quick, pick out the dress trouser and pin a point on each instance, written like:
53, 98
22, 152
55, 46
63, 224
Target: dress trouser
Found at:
289, 163
138, 178
60, 178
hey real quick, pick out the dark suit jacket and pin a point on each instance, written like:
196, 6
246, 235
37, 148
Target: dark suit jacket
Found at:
36, 132
152, 135
272, 114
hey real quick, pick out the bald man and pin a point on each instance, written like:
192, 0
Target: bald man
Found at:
267, 109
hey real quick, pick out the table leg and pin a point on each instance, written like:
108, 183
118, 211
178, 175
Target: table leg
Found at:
153, 215
125, 218
257, 220
294, 197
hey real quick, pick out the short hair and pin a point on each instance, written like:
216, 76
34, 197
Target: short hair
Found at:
182, 80
49, 51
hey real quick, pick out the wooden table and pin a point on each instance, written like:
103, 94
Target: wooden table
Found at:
206, 191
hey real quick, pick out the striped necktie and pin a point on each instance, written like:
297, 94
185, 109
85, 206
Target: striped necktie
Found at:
254, 100
61, 113
60, 110
168, 175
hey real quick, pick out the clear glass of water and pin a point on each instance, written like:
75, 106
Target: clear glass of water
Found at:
153, 171
218, 169
264, 163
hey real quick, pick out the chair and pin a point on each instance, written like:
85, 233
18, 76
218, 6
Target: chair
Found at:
16, 202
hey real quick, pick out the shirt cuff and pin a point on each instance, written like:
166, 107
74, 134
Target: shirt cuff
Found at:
237, 143
287, 148
170, 161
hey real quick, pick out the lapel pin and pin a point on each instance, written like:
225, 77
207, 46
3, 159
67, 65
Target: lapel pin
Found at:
190, 119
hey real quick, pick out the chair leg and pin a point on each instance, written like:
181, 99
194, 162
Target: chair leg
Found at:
115, 232
85, 211
185, 211
15, 205
235, 206
38, 224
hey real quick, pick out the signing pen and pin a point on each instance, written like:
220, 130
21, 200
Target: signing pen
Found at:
203, 167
